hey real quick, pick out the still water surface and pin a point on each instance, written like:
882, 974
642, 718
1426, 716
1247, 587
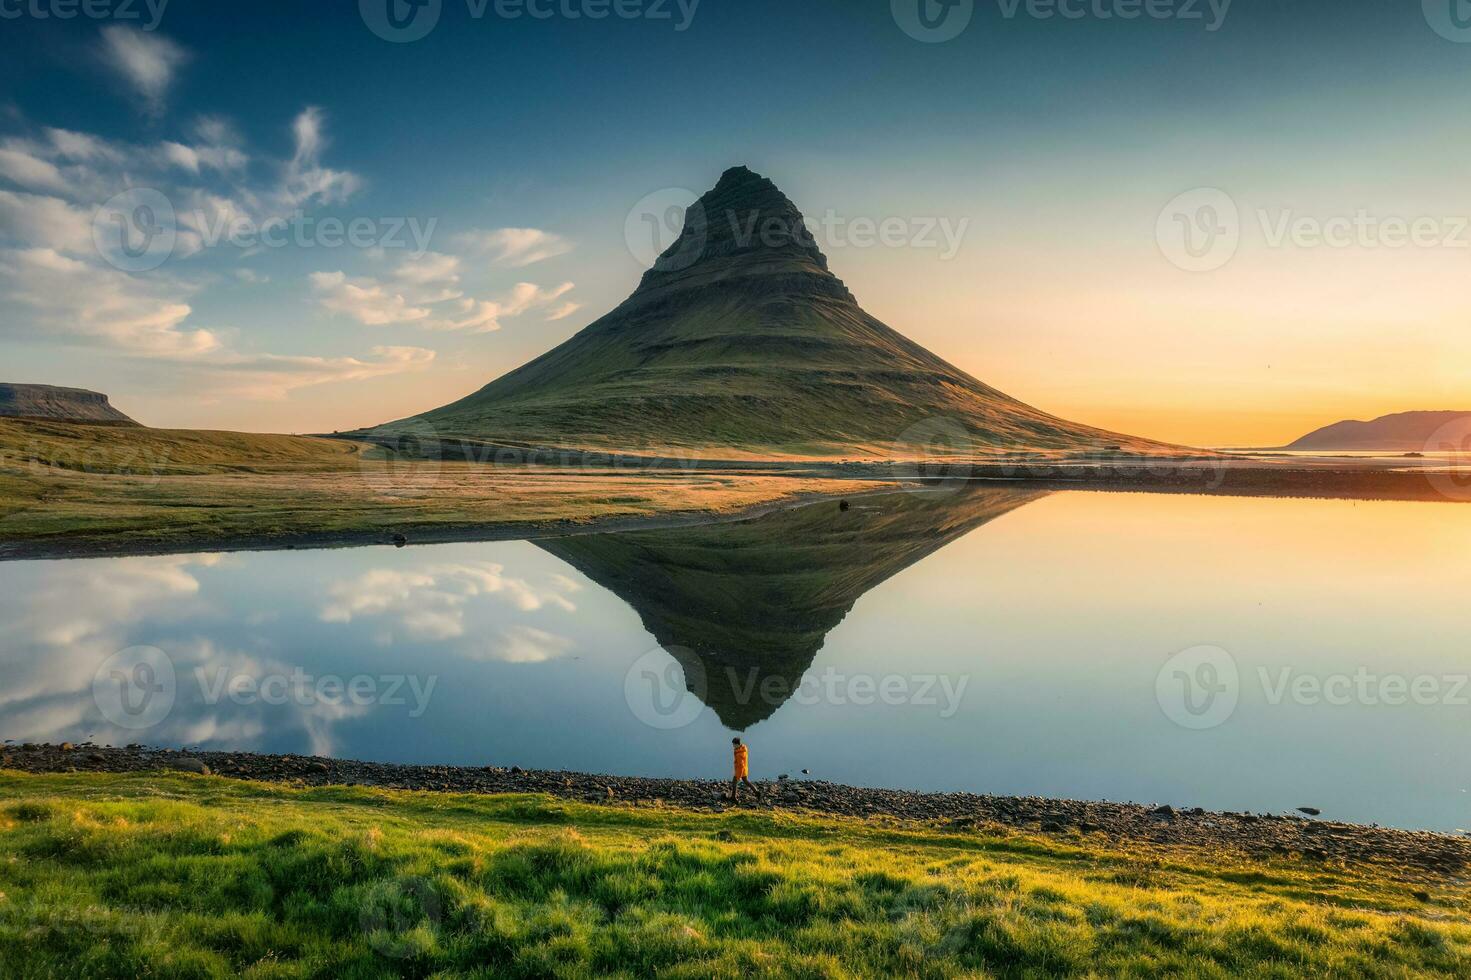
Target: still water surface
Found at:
996, 641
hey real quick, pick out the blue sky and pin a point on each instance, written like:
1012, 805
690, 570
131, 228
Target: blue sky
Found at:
1048, 146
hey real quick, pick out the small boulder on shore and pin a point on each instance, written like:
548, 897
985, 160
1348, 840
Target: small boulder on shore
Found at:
187, 765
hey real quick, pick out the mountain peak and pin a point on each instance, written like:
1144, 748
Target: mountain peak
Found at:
742, 187
743, 226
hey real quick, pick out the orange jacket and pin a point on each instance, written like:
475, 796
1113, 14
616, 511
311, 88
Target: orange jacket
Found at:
741, 769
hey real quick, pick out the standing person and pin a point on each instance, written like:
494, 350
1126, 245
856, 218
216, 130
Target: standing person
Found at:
742, 773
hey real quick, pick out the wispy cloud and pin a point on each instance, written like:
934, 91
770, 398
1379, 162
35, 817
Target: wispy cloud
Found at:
430, 603
562, 310
43, 221
306, 180
274, 376
514, 247
78, 300
28, 171
56, 286
425, 290
366, 300
147, 61
529, 645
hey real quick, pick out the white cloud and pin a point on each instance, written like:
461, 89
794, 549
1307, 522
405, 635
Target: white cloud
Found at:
562, 310
53, 283
46, 222
529, 645
147, 61
56, 646
365, 300
196, 158
526, 296
79, 299
274, 376
484, 316
28, 171
144, 317
417, 284
305, 179
431, 267
204, 176
514, 247
430, 603
69, 145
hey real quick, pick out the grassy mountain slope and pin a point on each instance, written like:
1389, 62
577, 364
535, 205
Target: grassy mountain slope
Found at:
739, 338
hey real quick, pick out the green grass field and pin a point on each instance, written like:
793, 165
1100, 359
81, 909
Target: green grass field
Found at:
182, 876
85, 486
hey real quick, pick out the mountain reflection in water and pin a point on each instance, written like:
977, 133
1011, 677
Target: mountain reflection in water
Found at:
746, 606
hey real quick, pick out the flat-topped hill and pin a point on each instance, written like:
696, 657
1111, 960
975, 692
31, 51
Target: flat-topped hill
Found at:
58, 404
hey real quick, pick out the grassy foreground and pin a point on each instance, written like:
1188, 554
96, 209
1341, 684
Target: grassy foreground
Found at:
175, 876
122, 488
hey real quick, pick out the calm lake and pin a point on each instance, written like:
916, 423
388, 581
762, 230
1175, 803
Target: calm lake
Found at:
1227, 653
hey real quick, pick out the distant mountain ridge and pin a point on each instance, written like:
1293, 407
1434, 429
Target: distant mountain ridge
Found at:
58, 404
740, 338
1402, 432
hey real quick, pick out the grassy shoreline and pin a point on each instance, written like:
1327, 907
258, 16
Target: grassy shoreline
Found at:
77, 490
174, 875
69, 490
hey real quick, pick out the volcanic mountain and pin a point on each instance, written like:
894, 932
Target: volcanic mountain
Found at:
740, 338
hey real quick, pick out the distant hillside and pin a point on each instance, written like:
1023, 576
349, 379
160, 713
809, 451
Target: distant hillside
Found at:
1405, 432
739, 338
58, 404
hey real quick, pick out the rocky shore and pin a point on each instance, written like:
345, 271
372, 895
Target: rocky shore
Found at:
1405, 854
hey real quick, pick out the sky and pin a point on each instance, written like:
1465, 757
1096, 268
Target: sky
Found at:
1209, 223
